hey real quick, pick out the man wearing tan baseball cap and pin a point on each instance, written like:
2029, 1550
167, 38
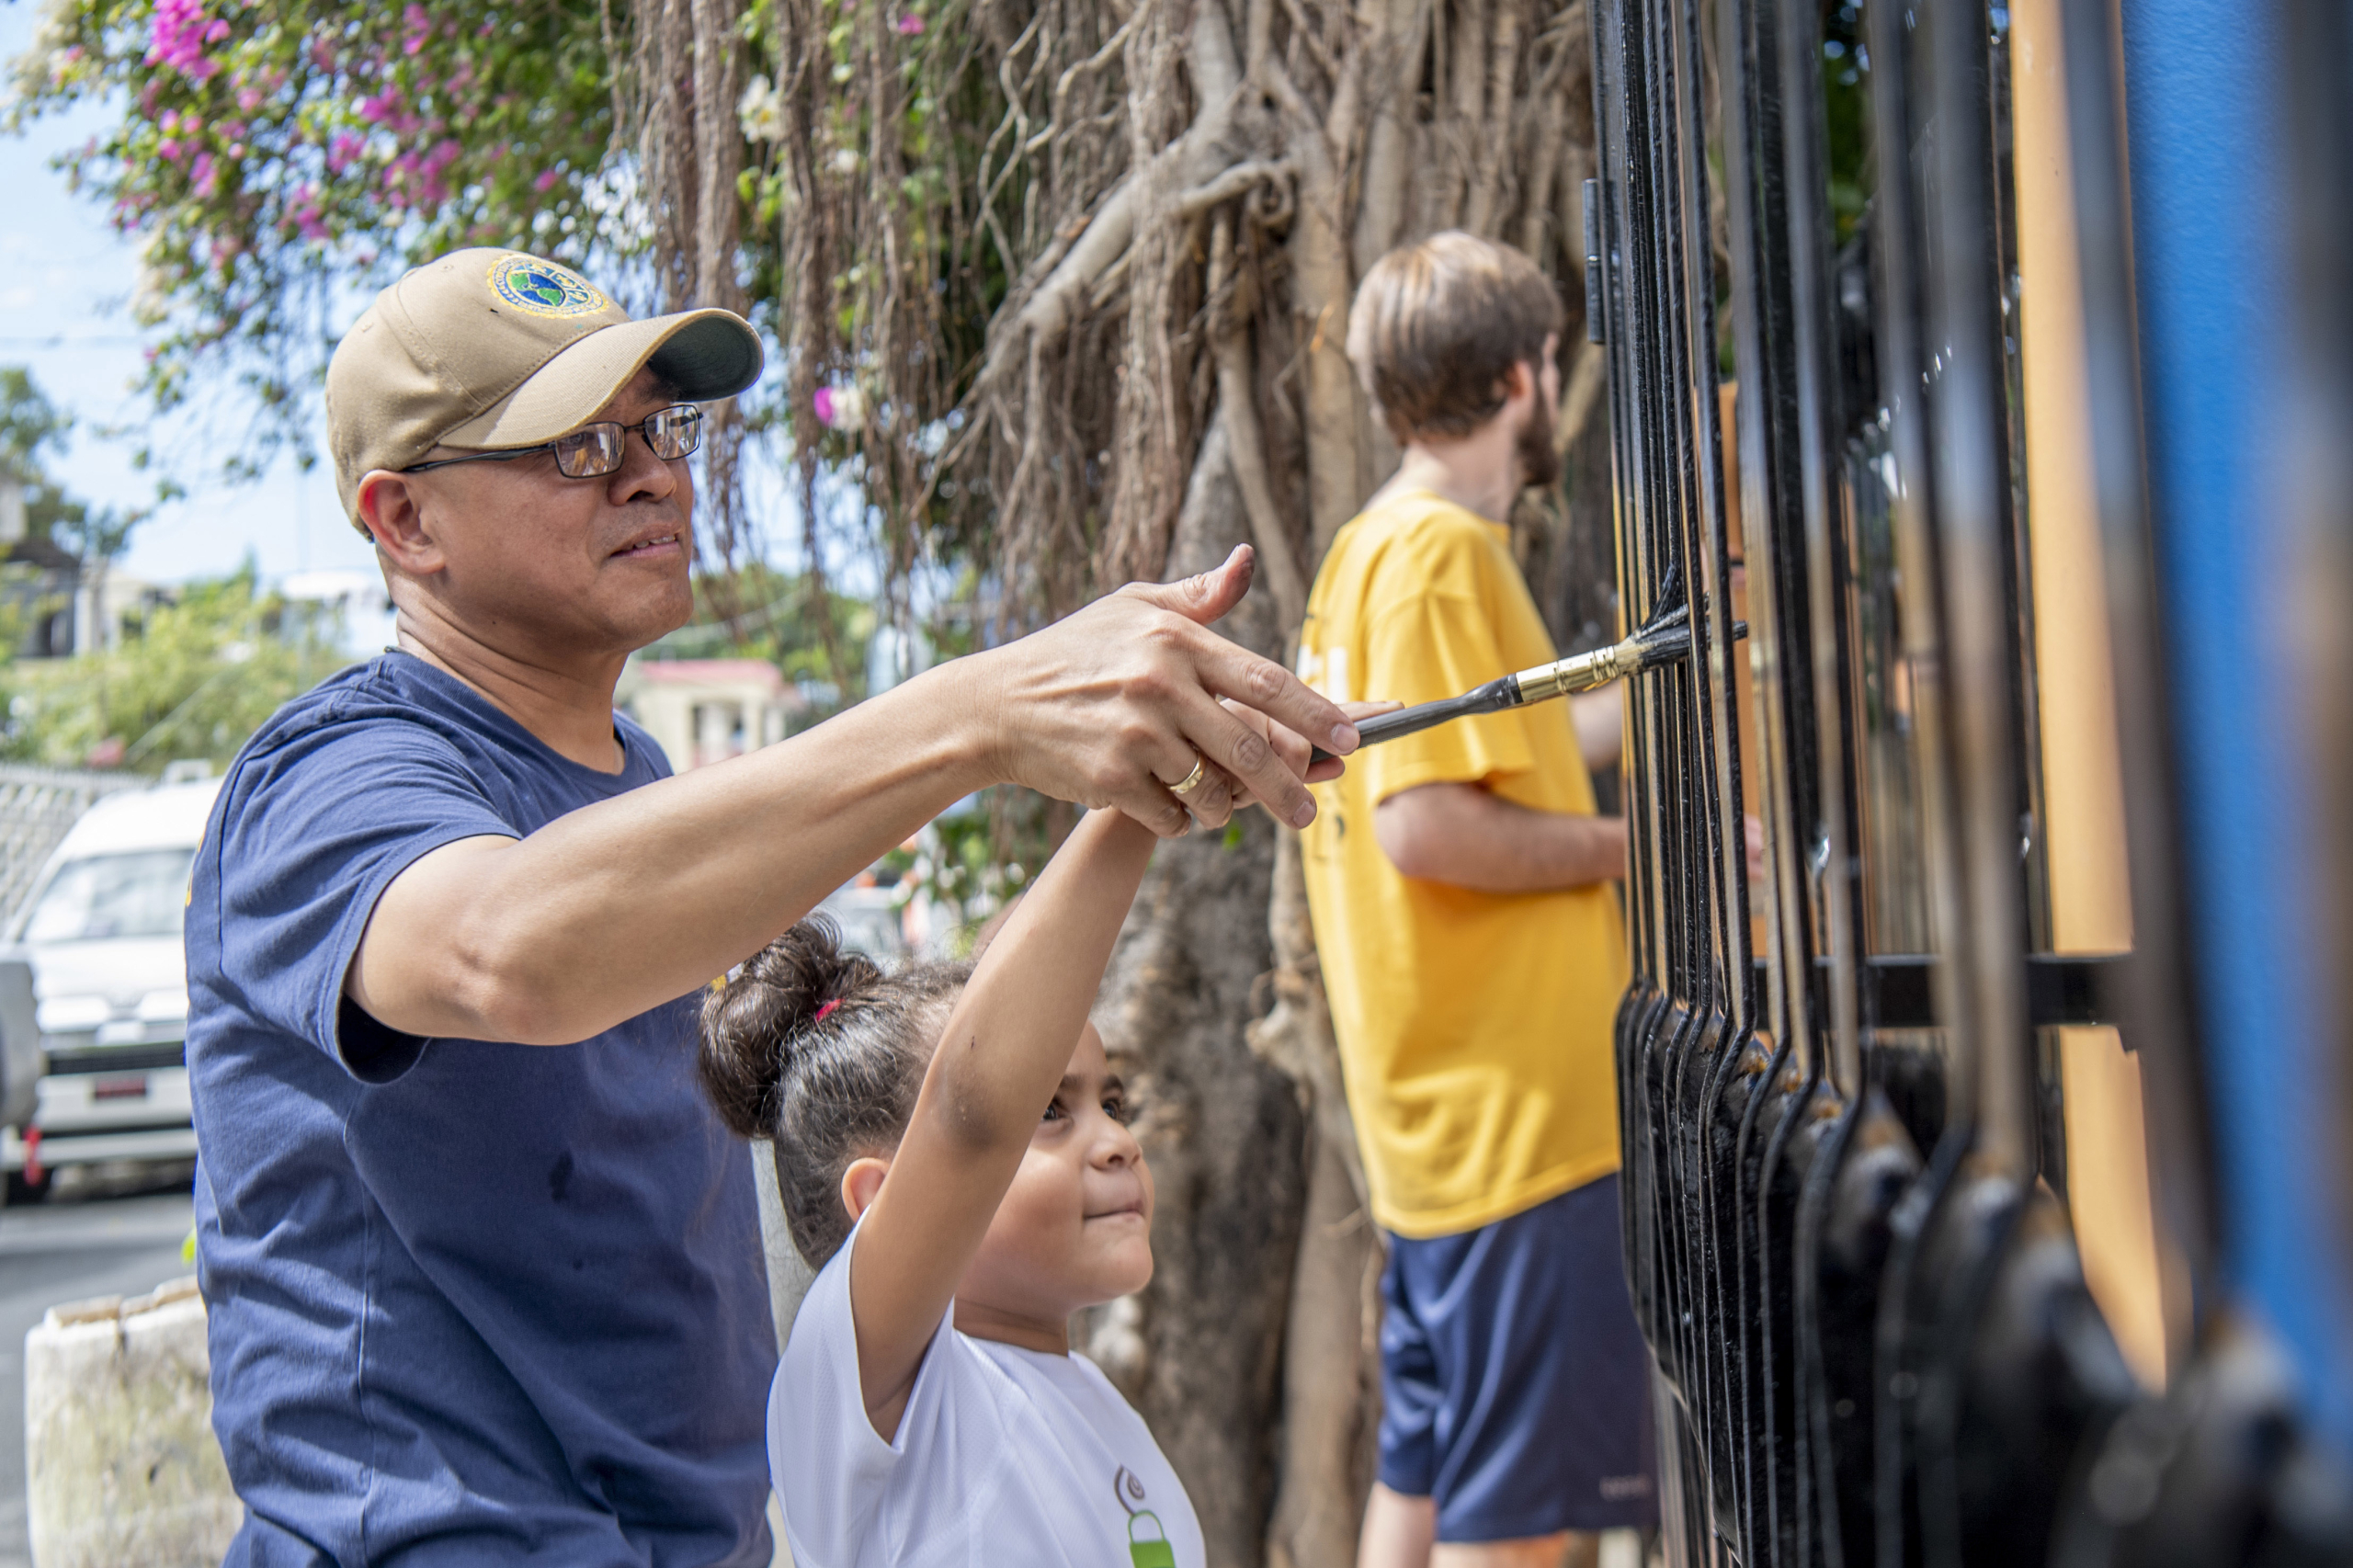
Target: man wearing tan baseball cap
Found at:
473, 1299
495, 350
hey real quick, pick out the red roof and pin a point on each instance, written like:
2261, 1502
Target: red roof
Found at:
711, 672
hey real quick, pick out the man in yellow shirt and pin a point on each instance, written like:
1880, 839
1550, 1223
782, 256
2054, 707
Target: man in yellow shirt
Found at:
1471, 943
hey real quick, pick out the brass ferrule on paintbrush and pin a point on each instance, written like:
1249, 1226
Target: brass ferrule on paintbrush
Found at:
1663, 642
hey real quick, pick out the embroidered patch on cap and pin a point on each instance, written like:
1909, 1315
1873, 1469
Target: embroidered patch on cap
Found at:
544, 288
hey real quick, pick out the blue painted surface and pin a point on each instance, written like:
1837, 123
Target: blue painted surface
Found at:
2209, 232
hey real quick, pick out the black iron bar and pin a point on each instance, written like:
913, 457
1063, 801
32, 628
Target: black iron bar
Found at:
1648, 358
1855, 1164
1909, 1305
1605, 290
1770, 1089
2155, 993
1720, 1030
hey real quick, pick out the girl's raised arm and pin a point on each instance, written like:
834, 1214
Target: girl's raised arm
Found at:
999, 1062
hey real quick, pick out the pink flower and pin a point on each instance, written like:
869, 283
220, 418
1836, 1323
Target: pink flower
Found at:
169, 150
303, 214
249, 100
344, 151
547, 180
177, 37
910, 24
840, 408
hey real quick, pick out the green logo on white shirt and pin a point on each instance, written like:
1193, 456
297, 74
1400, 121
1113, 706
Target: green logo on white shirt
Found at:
1152, 1551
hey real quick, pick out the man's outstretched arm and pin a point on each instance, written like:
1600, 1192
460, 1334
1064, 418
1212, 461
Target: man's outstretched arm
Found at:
626, 904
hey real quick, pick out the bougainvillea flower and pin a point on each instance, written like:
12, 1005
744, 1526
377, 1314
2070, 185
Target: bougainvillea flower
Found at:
840, 408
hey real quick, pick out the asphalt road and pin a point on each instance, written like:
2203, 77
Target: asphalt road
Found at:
69, 1249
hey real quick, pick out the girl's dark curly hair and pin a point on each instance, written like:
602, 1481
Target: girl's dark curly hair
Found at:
822, 1051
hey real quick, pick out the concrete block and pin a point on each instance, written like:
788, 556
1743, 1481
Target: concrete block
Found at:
121, 1466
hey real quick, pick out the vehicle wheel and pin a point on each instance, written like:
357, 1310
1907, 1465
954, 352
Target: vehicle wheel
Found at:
23, 1191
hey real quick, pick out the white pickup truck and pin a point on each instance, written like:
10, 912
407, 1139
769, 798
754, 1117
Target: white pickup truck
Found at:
102, 930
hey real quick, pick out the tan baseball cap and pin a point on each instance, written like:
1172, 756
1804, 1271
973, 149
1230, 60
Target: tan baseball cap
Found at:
493, 349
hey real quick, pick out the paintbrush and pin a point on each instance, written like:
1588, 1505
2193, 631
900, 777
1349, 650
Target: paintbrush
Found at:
1665, 640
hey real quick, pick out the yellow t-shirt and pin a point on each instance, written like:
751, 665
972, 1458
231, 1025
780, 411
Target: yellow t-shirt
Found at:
1474, 1028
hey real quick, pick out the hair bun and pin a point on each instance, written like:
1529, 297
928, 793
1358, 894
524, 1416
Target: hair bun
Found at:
749, 1024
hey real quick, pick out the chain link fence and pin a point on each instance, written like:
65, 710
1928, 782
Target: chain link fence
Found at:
37, 805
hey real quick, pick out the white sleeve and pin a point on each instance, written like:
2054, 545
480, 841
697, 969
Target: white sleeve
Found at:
832, 1470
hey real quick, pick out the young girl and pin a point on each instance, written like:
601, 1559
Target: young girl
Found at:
955, 1160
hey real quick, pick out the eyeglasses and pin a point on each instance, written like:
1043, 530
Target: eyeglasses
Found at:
595, 450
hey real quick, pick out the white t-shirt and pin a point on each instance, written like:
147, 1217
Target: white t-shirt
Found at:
1003, 1455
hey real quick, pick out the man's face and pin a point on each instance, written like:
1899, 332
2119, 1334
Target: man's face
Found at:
1540, 464
568, 566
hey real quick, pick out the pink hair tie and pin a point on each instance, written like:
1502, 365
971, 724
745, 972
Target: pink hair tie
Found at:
827, 1008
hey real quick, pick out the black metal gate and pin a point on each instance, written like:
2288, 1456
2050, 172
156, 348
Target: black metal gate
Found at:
1845, 1237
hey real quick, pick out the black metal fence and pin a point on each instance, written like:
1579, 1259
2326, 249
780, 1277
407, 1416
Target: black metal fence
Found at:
1846, 1236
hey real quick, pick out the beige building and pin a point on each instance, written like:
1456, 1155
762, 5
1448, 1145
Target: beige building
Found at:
706, 710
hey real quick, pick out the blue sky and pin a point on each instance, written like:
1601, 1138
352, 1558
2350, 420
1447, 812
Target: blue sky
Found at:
65, 280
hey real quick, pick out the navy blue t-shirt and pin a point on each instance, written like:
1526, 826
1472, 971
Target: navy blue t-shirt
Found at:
471, 1301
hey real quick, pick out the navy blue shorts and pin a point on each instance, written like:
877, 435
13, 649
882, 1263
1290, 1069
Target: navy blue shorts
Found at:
1515, 1386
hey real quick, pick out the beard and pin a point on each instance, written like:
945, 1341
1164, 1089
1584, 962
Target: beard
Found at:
1540, 465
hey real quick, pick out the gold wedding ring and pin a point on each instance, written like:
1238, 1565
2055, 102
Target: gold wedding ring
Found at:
1191, 781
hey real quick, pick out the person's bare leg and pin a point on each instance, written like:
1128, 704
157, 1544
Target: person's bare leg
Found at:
1398, 1530
1567, 1550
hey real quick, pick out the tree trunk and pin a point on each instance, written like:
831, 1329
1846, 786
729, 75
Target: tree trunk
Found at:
1331, 1348
1199, 1351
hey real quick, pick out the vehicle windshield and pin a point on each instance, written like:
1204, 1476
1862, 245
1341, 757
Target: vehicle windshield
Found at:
141, 894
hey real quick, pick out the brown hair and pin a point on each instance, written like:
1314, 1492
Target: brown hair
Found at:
1438, 326
822, 1051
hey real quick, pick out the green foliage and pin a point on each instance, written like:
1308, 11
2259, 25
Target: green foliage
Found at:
30, 423
32, 428
196, 679
766, 614
272, 155
972, 862
1845, 87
